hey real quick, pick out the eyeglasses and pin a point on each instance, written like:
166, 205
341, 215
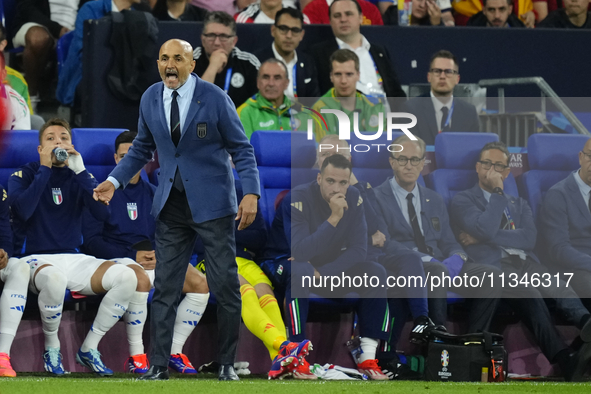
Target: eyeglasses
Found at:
223, 37
285, 29
448, 71
414, 161
498, 166
586, 154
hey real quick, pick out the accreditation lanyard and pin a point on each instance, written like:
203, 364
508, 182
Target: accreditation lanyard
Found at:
294, 80
228, 79
378, 75
449, 114
510, 221
292, 122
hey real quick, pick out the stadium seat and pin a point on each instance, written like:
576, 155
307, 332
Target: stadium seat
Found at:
456, 155
551, 157
284, 160
63, 45
17, 148
97, 147
373, 166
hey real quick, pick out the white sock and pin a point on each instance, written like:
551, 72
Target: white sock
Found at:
51, 283
369, 347
135, 319
188, 314
12, 301
120, 283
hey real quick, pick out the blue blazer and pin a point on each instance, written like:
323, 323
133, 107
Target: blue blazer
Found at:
464, 117
472, 214
565, 226
435, 223
211, 130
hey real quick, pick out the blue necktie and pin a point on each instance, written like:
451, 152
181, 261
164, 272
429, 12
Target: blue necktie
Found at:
175, 120
444, 114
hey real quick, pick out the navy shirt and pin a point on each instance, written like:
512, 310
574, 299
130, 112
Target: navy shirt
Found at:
5, 231
331, 250
46, 205
129, 222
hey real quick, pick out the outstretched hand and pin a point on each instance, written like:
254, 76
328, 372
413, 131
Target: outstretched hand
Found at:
104, 192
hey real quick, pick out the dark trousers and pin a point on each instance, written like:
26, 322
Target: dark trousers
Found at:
483, 300
372, 307
528, 302
176, 233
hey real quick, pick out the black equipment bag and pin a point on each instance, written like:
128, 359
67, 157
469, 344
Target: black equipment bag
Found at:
461, 358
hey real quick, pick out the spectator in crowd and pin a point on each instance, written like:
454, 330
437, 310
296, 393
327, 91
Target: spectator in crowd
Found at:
218, 60
401, 301
287, 34
46, 202
439, 111
227, 6
318, 12
260, 310
264, 11
426, 13
525, 10
574, 15
37, 27
377, 75
178, 10
71, 71
344, 75
127, 234
13, 78
417, 220
14, 273
322, 226
270, 108
565, 225
496, 13
17, 109
498, 229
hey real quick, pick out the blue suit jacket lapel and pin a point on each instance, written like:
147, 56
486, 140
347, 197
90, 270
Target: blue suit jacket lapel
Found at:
425, 207
161, 115
578, 200
193, 109
395, 210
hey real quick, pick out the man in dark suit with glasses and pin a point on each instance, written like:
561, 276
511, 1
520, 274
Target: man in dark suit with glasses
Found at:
439, 110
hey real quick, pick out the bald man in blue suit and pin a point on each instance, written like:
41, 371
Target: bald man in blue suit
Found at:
194, 126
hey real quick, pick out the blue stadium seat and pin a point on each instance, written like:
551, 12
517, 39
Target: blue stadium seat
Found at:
63, 45
551, 157
456, 155
17, 147
373, 166
97, 147
284, 160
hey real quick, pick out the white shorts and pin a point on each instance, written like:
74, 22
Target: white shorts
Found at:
128, 261
5, 272
19, 37
78, 268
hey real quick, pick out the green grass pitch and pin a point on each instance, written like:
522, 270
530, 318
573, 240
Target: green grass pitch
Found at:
125, 384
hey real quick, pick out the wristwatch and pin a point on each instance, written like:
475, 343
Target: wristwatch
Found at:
498, 190
463, 256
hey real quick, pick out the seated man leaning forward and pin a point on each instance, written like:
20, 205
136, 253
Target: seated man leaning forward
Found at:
321, 225
46, 200
499, 230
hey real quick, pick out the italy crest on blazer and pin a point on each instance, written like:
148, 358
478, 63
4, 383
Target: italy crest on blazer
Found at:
201, 130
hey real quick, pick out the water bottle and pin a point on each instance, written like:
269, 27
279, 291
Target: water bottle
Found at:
60, 154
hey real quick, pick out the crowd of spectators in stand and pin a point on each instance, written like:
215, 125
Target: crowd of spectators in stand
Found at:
39, 24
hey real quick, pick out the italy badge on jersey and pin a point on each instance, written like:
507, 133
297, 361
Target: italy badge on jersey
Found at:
132, 210
57, 196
